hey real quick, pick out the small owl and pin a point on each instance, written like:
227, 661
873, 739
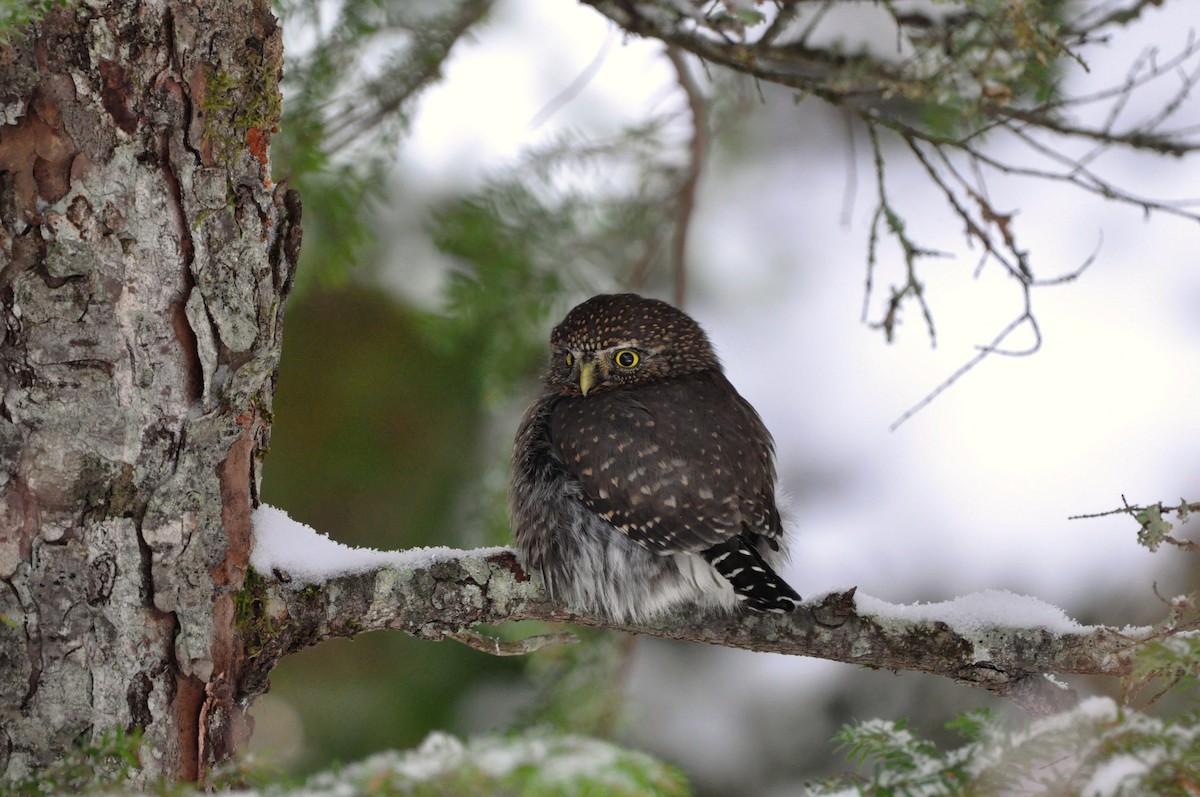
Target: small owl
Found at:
640, 478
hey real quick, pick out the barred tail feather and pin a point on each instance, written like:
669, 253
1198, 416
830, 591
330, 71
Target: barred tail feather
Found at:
753, 580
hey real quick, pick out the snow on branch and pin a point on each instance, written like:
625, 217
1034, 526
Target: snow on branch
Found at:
305, 588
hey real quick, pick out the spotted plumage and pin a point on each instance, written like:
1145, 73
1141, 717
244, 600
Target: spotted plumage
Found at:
641, 479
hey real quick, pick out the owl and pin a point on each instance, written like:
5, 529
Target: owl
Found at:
640, 479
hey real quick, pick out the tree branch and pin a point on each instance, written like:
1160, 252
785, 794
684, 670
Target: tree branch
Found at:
973, 75
448, 593
698, 108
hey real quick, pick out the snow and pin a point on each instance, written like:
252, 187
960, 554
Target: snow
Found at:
438, 753
977, 612
1113, 776
288, 546
1095, 711
559, 760
535, 762
1056, 681
1101, 710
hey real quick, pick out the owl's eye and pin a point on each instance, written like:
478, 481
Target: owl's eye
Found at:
627, 358
570, 358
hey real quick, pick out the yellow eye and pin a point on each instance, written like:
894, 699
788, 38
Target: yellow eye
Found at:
570, 358
627, 358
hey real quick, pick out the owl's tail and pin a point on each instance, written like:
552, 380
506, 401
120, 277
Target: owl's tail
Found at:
753, 580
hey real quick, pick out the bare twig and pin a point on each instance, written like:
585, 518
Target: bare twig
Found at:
577, 85
698, 106
505, 647
886, 214
1127, 509
1110, 14
1076, 174
984, 351
1186, 545
850, 189
1153, 529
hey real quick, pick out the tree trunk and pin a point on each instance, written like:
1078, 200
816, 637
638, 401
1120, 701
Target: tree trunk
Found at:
144, 259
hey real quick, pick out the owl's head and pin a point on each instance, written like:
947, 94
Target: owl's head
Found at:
617, 340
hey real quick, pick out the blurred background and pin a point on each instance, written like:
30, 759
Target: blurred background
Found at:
443, 242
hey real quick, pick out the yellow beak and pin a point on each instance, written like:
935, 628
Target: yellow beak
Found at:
587, 376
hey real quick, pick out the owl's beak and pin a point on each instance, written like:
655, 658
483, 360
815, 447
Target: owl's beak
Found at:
587, 376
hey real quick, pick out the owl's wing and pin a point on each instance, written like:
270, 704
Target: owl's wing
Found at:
680, 465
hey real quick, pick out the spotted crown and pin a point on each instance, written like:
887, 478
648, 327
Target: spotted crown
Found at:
619, 319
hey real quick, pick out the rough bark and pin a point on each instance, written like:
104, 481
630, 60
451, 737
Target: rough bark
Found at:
450, 594
144, 257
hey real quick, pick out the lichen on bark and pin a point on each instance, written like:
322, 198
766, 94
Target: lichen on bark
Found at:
142, 283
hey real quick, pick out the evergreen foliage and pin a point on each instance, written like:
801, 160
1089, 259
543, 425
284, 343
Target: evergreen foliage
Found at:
1099, 748
529, 764
97, 765
15, 14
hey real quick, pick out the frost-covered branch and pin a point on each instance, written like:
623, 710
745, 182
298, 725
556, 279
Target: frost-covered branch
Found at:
307, 589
